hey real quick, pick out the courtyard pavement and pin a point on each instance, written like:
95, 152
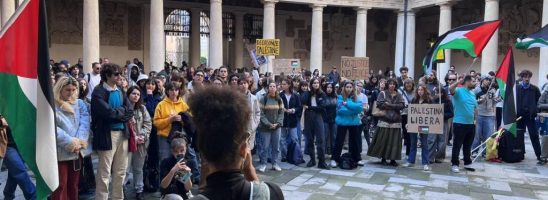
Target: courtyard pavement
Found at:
499, 181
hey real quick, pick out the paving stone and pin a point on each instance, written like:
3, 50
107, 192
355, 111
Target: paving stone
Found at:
450, 178
440, 196
365, 186
498, 185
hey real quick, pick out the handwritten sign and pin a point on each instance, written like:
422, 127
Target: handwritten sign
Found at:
425, 118
267, 47
286, 66
354, 68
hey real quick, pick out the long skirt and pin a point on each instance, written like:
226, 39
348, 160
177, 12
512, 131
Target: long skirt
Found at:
386, 144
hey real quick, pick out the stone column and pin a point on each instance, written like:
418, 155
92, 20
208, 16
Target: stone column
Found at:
239, 40
360, 46
91, 43
216, 34
157, 36
195, 37
316, 44
269, 24
8, 8
445, 25
490, 53
543, 62
409, 44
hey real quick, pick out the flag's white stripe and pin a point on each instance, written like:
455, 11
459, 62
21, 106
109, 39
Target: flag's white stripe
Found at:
453, 36
46, 149
13, 17
28, 86
540, 45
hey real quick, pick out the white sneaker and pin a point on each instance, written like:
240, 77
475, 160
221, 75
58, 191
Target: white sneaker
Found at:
426, 168
407, 164
276, 167
261, 168
333, 164
361, 162
455, 169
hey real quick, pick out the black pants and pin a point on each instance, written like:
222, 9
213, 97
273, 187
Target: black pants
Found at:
463, 137
529, 123
364, 128
498, 117
406, 137
354, 142
87, 176
151, 169
313, 124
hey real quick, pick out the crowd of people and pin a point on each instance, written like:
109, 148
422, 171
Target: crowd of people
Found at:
186, 126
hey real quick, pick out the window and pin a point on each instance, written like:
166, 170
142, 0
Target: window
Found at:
253, 26
177, 23
228, 25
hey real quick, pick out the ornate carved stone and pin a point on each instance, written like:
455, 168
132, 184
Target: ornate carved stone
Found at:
135, 27
65, 21
112, 24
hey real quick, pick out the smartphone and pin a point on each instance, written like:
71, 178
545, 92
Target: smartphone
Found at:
77, 164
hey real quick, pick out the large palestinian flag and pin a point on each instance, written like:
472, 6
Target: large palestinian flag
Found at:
538, 39
471, 38
26, 98
506, 78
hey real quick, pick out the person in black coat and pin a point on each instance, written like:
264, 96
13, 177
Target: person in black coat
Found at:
527, 96
110, 111
292, 116
313, 124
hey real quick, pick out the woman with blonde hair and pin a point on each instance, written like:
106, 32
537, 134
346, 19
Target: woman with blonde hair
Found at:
73, 128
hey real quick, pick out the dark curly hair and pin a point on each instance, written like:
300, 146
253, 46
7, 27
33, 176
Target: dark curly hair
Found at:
221, 118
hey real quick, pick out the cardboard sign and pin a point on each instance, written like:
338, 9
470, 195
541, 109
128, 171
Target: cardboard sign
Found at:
425, 118
287, 66
354, 68
267, 47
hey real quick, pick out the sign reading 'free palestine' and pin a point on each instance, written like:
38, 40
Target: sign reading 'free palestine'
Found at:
425, 118
267, 47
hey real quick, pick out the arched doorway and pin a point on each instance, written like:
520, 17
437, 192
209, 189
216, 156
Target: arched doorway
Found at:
177, 33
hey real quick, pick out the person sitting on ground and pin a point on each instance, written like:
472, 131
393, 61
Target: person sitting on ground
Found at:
176, 174
222, 115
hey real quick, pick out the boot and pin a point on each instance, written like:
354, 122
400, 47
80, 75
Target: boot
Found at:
322, 165
312, 161
321, 158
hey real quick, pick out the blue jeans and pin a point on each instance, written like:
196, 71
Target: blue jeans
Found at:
330, 135
289, 135
485, 127
271, 141
17, 176
193, 163
413, 148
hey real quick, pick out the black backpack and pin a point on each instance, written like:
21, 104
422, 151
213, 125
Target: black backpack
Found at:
511, 149
347, 162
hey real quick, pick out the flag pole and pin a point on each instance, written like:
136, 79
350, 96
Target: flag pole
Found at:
439, 85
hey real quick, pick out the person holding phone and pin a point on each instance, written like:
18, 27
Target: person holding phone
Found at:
73, 128
176, 174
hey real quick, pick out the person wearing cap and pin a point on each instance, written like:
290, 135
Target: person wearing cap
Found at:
527, 96
485, 123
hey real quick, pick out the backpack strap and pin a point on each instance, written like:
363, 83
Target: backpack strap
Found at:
275, 191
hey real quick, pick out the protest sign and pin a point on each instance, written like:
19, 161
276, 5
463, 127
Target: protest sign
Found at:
354, 68
267, 47
425, 118
287, 66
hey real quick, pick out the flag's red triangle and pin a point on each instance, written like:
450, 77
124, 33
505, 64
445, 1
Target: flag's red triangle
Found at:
481, 35
19, 43
502, 73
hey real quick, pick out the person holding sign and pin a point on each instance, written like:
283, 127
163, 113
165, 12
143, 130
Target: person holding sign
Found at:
465, 104
348, 109
386, 143
422, 96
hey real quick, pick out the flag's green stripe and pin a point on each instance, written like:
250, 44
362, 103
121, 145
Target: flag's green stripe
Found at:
21, 116
502, 87
462, 44
527, 44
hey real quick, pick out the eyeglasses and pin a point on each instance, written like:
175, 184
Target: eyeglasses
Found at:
451, 79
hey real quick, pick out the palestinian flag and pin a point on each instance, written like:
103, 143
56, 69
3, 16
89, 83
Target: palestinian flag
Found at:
26, 98
471, 38
538, 39
506, 78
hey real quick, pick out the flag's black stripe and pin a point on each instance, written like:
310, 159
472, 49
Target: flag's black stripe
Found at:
508, 107
43, 55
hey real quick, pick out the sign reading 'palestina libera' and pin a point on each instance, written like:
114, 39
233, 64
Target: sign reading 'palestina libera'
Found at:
268, 47
425, 118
